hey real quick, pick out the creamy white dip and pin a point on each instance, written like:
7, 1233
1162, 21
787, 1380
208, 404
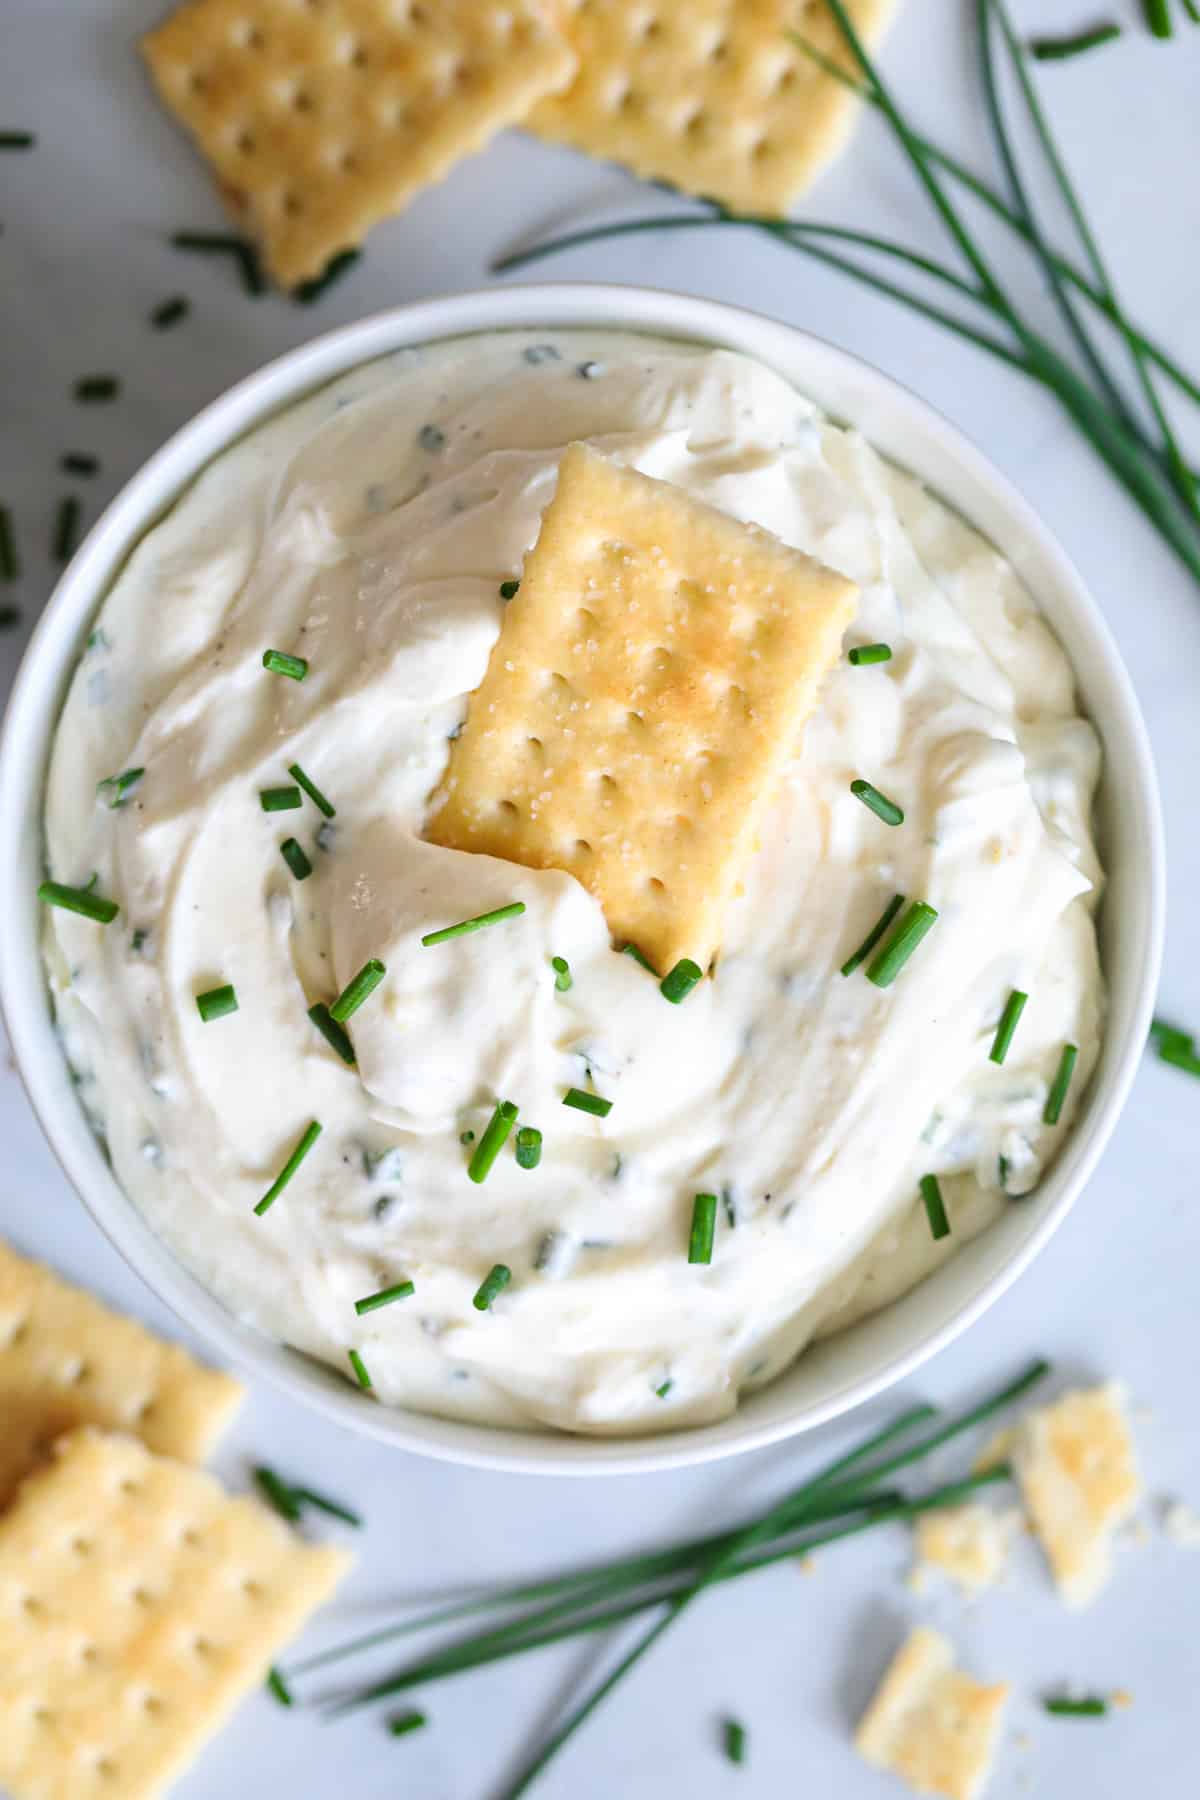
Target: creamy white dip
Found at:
368, 529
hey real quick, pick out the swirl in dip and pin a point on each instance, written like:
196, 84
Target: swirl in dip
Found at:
369, 530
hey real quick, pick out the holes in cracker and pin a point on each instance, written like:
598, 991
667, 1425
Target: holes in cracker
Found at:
582, 847
244, 143
81, 1546
508, 810
106, 1768
18, 1334
655, 886
140, 1596
153, 1704
292, 205
32, 1607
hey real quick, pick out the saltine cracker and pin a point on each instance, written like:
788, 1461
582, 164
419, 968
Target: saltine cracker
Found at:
932, 1725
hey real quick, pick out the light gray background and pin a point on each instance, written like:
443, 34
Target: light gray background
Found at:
83, 258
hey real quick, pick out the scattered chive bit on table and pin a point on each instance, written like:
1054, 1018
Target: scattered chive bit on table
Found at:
78, 900
114, 790
633, 951
311, 1134
278, 1686
863, 655
587, 1103
170, 312
1014, 1006
278, 662
66, 528
404, 1722
401, 1290
9, 616
277, 1493
509, 589
492, 1285
1158, 17
279, 799
878, 803
309, 1497
529, 1147
1176, 1047
338, 266
733, 1740
10, 562
79, 462
704, 1225
91, 389
295, 858
678, 983
873, 936
361, 1374
1058, 49
512, 911
217, 1003
562, 973
360, 988
17, 140
493, 1140
1089, 1706
1060, 1084
217, 243
332, 1032
917, 922
935, 1207
310, 787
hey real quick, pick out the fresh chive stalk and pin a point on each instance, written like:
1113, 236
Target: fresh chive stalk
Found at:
405, 1722
1058, 49
279, 799
733, 1741
322, 1502
587, 1103
332, 1032
278, 662
493, 1140
562, 973
115, 789
1014, 1006
1060, 1084
679, 982
78, 900
492, 1285
1158, 17
361, 1374
356, 991
277, 1493
310, 787
401, 1290
512, 911
1090, 1706
217, 1003
293, 855
878, 803
704, 1225
863, 655
935, 1207
917, 922
311, 1134
529, 1147
873, 936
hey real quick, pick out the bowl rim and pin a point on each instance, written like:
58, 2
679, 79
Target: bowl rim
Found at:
28, 728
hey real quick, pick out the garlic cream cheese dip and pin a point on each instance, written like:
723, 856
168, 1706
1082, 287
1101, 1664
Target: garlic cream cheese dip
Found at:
369, 530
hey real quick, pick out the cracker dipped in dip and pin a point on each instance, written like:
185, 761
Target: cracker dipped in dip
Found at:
278, 842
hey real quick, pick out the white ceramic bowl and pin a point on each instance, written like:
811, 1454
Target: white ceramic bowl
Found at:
843, 1371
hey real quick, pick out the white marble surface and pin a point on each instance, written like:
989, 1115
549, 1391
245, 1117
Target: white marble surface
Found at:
82, 260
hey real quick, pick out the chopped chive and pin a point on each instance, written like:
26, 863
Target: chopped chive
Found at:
1014, 1006
66, 528
334, 269
1062, 1081
358, 990
678, 983
664, 1388
169, 312
360, 1370
493, 1284
493, 1140
331, 1031
279, 799
1089, 1707
873, 936
588, 1103
78, 900
916, 923
91, 388
17, 140
562, 973
278, 662
1176, 1047
704, 1224
278, 1686
278, 1493
466, 1137
295, 859
1056, 49
401, 1291
863, 654
308, 1497
10, 562
509, 589
1158, 17
221, 244
733, 1740
9, 616
511, 911
529, 1147
405, 1722
632, 950
217, 1003
114, 788
78, 462
311, 1134
310, 787
878, 803
935, 1208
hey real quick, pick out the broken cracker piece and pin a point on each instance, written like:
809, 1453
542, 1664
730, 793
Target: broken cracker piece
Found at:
66, 1360
935, 1727
321, 119
969, 1543
1078, 1475
138, 1605
649, 682
713, 96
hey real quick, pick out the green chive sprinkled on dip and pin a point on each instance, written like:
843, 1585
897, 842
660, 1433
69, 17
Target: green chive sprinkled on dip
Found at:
405, 1722
293, 855
664, 1388
278, 662
529, 1147
78, 900
217, 1003
917, 922
278, 1686
1014, 1006
66, 529
493, 1140
311, 789
588, 1103
1088, 1706
331, 1031
92, 388
360, 1370
401, 1291
170, 312
494, 1283
632, 950
511, 911
1062, 1081
509, 589
562, 973
311, 1134
358, 990
733, 1740
864, 654
680, 981
279, 799
873, 936
115, 789
878, 803
704, 1224
935, 1208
